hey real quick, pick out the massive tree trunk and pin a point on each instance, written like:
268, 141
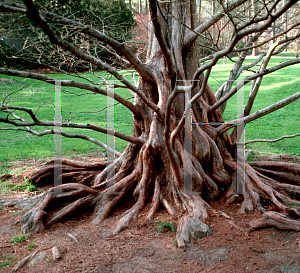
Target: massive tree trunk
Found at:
164, 168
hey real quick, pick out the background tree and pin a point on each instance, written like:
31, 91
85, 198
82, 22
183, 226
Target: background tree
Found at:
25, 46
160, 165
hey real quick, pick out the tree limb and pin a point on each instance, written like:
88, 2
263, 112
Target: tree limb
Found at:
37, 122
192, 36
127, 53
71, 83
221, 129
250, 78
267, 140
53, 132
34, 15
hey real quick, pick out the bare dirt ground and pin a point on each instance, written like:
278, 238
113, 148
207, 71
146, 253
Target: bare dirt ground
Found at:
88, 248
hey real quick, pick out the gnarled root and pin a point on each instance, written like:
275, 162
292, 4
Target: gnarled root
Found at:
32, 221
116, 191
277, 220
190, 225
288, 172
72, 171
22, 204
140, 191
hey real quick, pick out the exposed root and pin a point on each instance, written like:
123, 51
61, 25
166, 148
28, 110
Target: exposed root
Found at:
218, 172
280, 157
290, 190
264, 188
109, 172
288, 172
106, 204
72, 171
190, 225
155, 199
149, 171
115, 193
32, 221
209, 186
24, 261
23, 204
277, 220
120, 167
82, 177
70, 209
142, 193
169, 208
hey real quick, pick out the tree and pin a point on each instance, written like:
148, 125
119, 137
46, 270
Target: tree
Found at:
163, 163
27, 47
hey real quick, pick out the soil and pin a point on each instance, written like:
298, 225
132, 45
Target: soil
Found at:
85, 247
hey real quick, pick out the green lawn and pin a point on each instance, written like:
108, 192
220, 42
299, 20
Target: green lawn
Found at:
275, 87
17, 145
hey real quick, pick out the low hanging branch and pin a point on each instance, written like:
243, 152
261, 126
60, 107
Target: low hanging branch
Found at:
267, 140
37, 122
221, 129
35, 16
71, 83
53, 132
250, 78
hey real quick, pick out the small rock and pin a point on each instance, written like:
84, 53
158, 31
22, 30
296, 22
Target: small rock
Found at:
56, 254
73, 237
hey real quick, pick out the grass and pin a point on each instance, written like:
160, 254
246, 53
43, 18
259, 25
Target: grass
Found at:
165, 226
8, 187
18, 212
275, 87
7, 259
294, 205
253, 156
5, 263
31, 246
18, 145
19, 239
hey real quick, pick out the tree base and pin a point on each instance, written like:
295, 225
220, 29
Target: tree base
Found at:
103, 195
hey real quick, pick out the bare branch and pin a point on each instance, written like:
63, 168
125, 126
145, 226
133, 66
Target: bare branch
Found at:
250, 78
37, 122
192, 36
272, 38
221, 129
267, 140
72, 83
243, 31
127, 53
53, 132
34, 15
